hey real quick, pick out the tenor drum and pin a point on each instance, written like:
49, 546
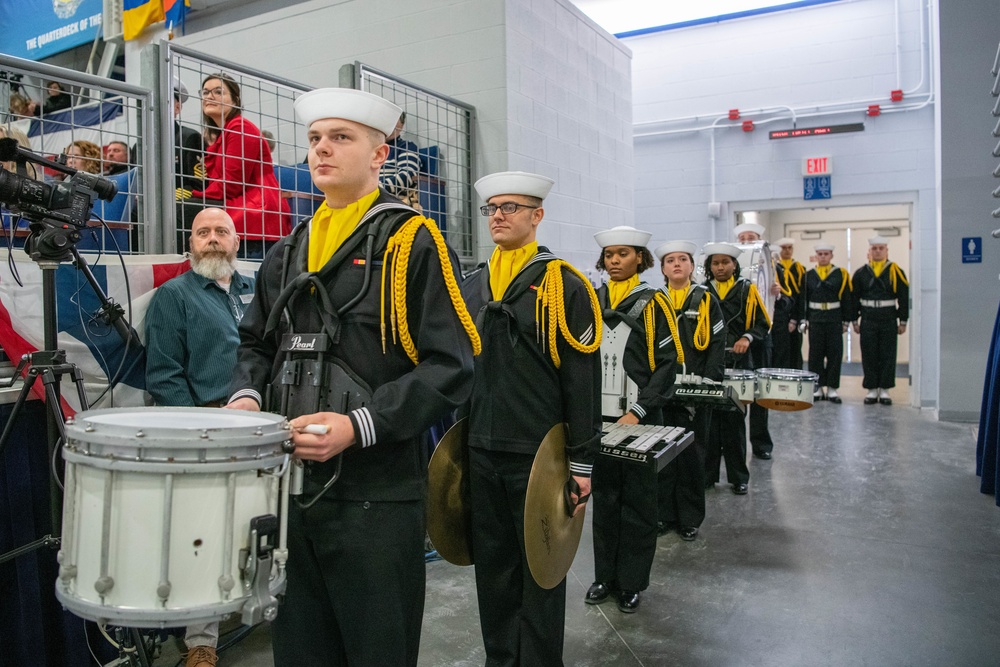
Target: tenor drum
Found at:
785, 389
757, 265
158, 512
743, 382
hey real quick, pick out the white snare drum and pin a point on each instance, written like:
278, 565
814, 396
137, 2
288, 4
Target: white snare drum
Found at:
785, 389
157, 515
757, 265
743, 382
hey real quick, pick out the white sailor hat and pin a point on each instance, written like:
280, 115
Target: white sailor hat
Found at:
748, 227
784, 240
514, 183
180, 90
823, 246
349, 104
675, 246
721, 249
878, 240
622, 235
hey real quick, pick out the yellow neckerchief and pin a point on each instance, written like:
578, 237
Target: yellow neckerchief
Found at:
619, 289
823, 271
724, 287
677, 296
877, 267
506, 264
330, 227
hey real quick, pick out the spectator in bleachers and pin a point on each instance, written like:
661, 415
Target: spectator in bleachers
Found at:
401, 168
57, 99
188, 145
239, 169
269, 138
22, 140
21, 105
116, 158
84, 156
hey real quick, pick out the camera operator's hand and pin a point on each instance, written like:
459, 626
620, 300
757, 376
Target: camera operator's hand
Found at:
183, 194
199, 170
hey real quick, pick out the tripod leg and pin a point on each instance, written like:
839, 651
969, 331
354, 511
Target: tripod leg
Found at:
29, 382
56, 429
78, 381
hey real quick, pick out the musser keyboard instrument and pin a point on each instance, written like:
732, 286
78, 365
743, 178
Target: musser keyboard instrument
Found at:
654, 446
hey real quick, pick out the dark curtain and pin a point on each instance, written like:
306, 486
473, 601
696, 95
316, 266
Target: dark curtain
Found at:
34, 627
987, 453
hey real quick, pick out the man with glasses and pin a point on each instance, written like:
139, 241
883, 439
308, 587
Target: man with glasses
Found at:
535, 371
191, 341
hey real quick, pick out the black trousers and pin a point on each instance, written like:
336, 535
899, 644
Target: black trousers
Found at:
786, 347
727, 440
760, 434
522, 623
681, 484
624, 523
879, 341
356, 580
826, 350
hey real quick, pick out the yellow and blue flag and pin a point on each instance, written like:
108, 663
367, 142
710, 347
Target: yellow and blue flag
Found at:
139, 14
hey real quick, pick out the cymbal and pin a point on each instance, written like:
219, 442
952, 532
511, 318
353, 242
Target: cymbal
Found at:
551, 536
449, 512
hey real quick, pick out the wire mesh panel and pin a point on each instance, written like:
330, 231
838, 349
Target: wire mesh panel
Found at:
237, 145
439, 130
87, 123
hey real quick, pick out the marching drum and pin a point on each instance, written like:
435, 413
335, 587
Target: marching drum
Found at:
743, 382
785, 389
171, 515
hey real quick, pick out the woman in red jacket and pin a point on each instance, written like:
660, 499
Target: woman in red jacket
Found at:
239, 169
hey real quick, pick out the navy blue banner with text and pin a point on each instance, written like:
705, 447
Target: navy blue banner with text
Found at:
36, 29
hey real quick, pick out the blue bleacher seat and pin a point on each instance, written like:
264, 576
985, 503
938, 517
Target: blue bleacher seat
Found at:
118, 210
431, 188
297, 187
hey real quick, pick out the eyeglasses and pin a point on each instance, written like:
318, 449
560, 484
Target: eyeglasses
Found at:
214, 92
507, 208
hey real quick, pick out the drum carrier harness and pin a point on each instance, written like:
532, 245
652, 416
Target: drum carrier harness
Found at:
312, 378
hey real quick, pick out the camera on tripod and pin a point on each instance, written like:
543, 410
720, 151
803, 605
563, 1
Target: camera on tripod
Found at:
56, 211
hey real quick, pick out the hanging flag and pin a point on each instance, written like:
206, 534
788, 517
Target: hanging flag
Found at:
176, 11
139, 14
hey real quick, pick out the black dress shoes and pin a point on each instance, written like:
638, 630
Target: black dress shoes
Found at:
597, 593
834, 399
885, 401
628, 601
763, 455
662, 528
870, 401
688, 534
740, 489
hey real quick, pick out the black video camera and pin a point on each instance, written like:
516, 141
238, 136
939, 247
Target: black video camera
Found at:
56, 211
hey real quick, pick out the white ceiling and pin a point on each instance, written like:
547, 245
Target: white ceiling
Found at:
618, 16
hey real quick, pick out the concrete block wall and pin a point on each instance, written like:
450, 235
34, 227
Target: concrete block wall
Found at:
807, 59
570, 117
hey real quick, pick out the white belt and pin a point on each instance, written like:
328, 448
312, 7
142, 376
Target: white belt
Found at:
884, 303
824, 305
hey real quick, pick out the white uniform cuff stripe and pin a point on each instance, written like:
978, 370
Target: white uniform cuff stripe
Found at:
581, 469
247, 393
637, 409
365, 425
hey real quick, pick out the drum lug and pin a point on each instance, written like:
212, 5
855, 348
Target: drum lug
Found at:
260, 605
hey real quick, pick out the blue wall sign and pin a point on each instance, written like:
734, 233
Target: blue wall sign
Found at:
816, 187
972, 250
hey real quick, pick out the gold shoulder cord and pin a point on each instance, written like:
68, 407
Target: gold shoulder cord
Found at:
399, 247
550, 305
895, 273
660, 299
753, 303
703, 330
845, 282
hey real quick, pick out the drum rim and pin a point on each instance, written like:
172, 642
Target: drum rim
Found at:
744, 374
786, 374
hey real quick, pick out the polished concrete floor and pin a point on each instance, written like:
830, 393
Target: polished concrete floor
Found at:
865, 541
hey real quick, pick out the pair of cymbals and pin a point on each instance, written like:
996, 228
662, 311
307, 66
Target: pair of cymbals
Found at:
551, 534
